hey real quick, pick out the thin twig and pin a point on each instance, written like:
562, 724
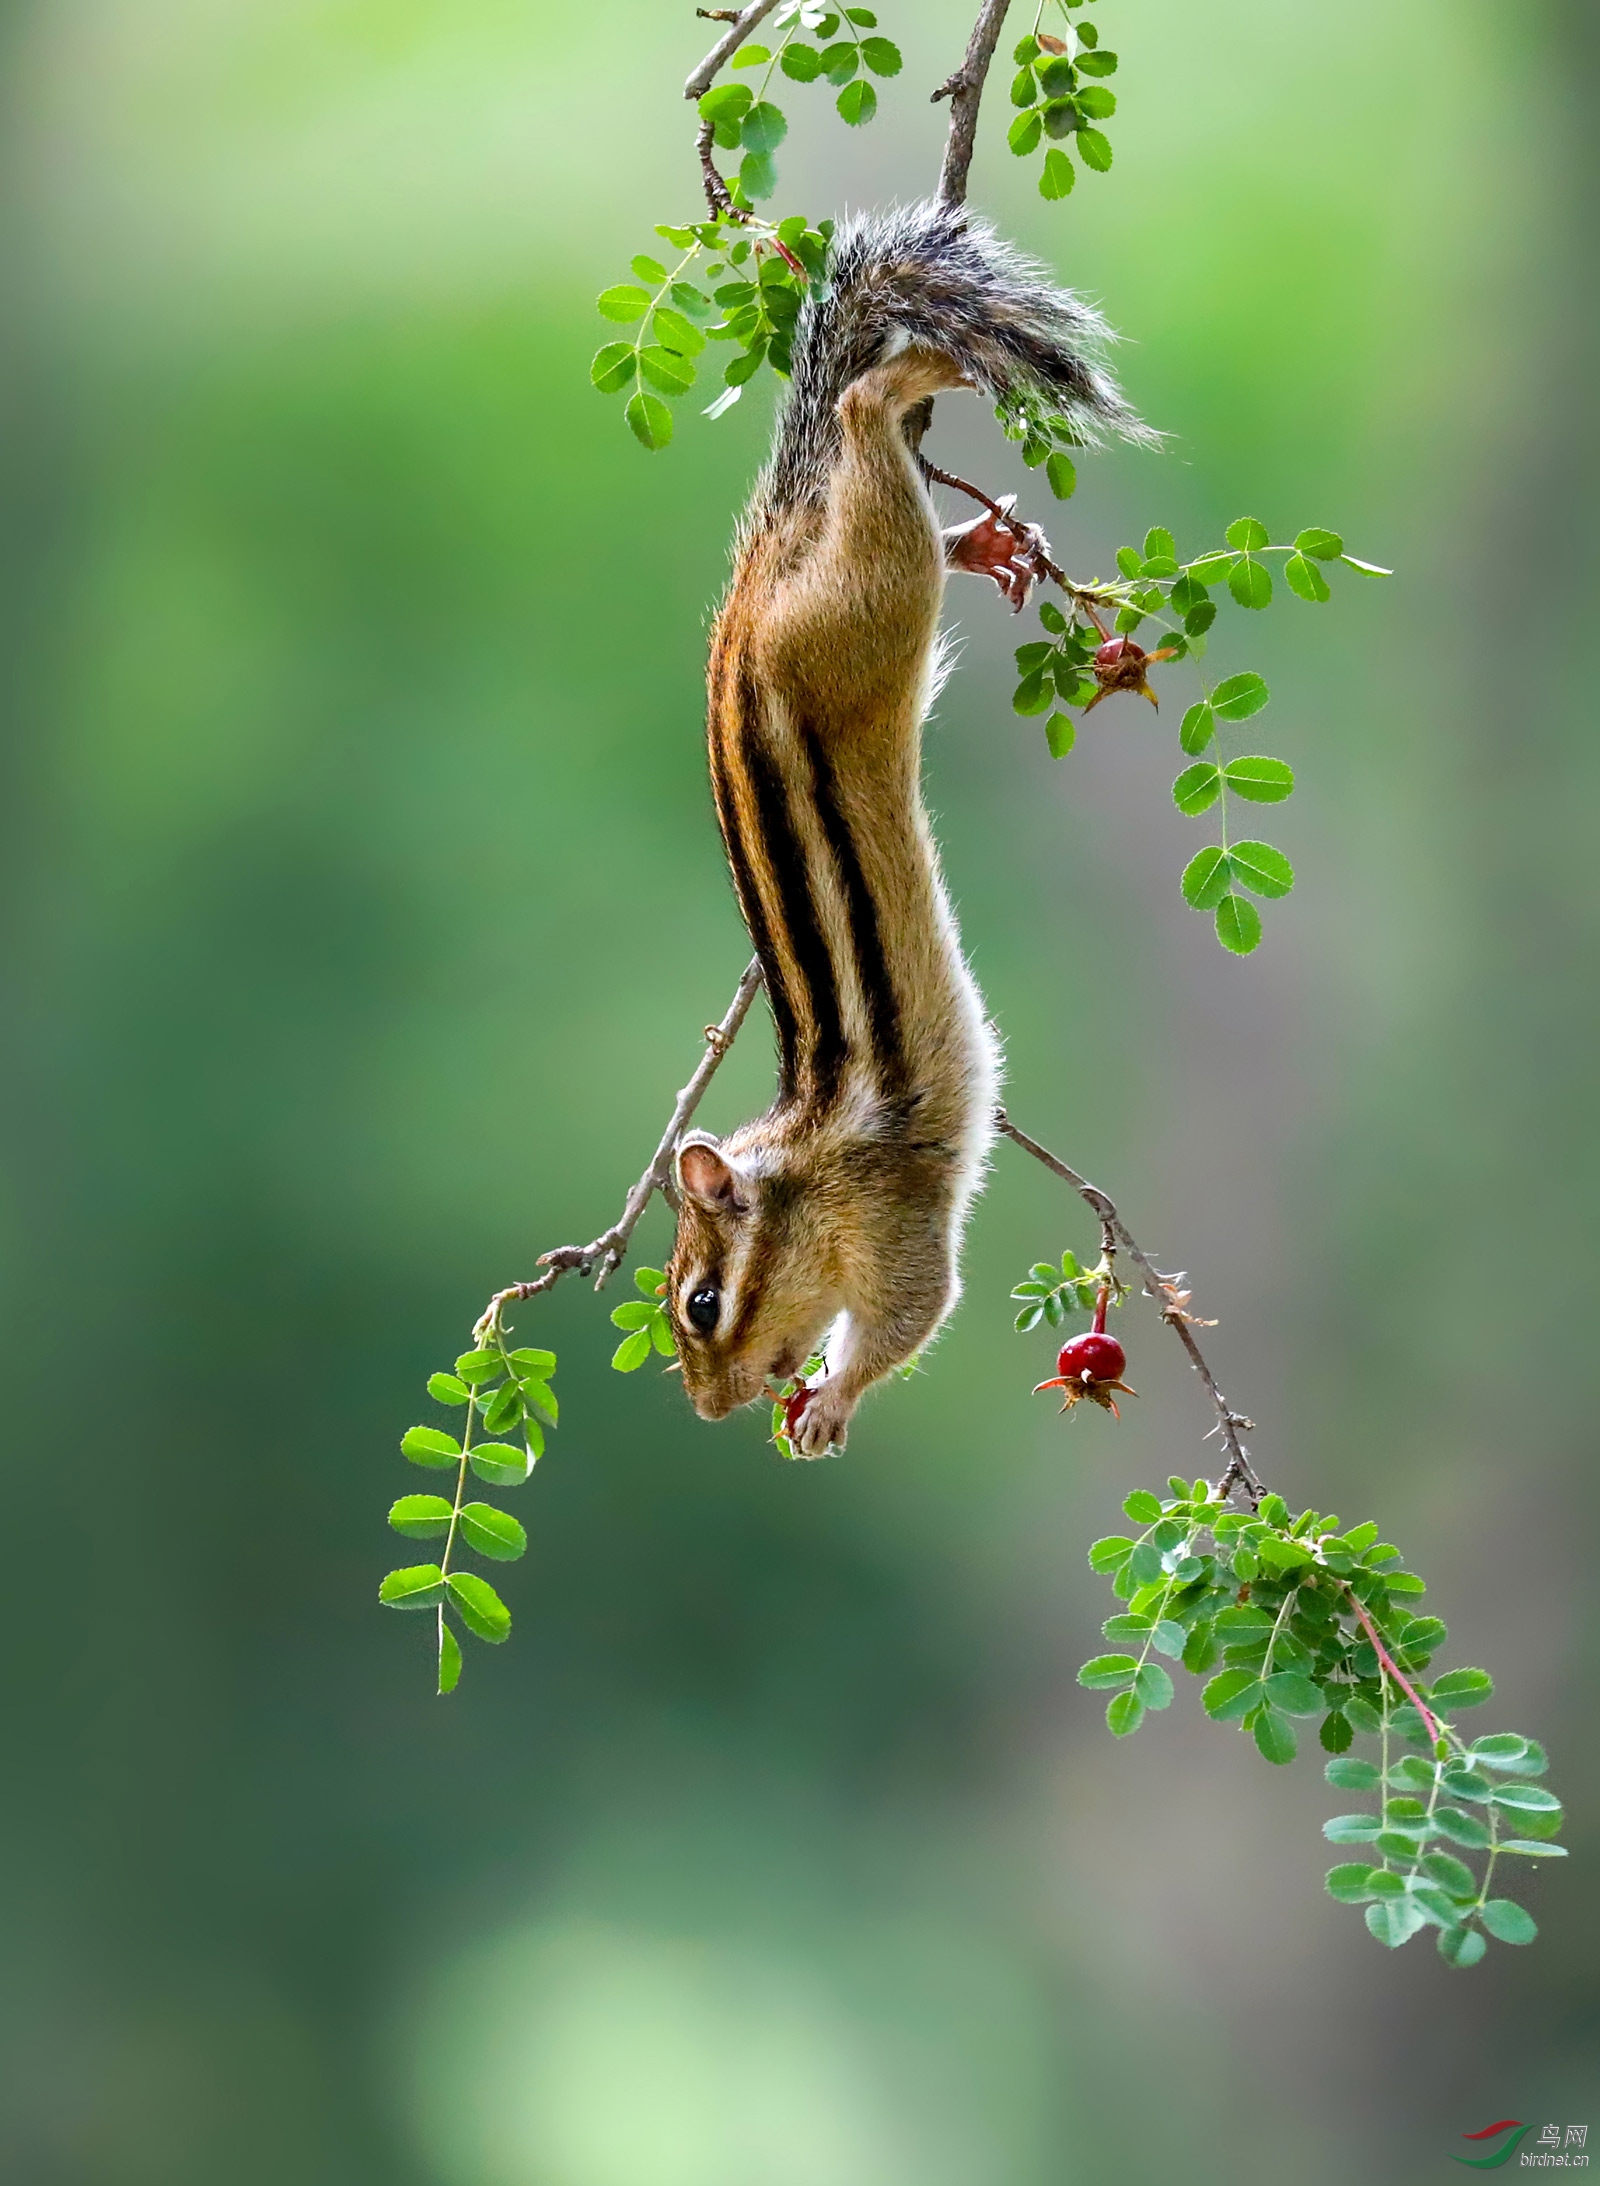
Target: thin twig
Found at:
727, 45
1391, 1665
1164, 1290
964, 90
606, 1251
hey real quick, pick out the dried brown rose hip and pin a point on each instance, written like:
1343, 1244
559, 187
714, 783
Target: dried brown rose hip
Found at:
1119, 665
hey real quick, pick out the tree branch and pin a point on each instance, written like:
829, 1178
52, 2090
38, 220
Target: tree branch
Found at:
700, 82
607, 1249
1164, 1290
964, 90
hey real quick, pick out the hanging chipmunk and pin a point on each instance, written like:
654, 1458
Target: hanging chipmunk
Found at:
835, 1218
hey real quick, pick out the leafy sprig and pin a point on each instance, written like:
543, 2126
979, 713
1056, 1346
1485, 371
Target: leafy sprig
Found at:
645, 1320
1057, 105
1079, 663
504, 1392
1049, 1293
1288, 1617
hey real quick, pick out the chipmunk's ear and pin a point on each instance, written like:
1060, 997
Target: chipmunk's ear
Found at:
705, 1174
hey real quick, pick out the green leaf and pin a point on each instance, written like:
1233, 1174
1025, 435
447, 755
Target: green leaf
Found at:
882, 56
1153, 1686
1060, 734
612, 367
1094, 149
763, 128
632, 1351
623, 303
1395, 1920
1025, 133
1056, 178
1238, 924
449, 1659
758, 175
1059, 468
1275, 1739
1248, 534
1250, 583
801, 62
1351, 1828
1532, 1850
1262, 781
1033, 695
1463, 1688
726, 102
651, 421
1200, 1650
633, 1313
501, 1463
1461, 1828
1450, 1874
1124, 1714
1239, 697
664, 369
1170, 1638
1110, 1551
857, 102
1143, 1507
539, 1393
1367, 569
1097, 104
1351, 1775
1323, 546
661, 1336
1197, 789
476, 1366
1199, 726
673, 331
448, 1389
1306, 579
1263, 870
1205, 879
1295, 1694
1461, 1946
649, 269
1097, 63
1105, 1670
1231, 1694
541, 1363
492, 1532
1507, 1922
430, 1446
751, 57
1526, 1798
504, 1409
421, 1517
1349, 1883
1336, 1734
480, 1608
420, 1587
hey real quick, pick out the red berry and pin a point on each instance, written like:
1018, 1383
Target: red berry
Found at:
793, 1406
1116, 650
1101, 1357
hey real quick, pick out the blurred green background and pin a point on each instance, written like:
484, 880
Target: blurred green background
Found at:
363, 904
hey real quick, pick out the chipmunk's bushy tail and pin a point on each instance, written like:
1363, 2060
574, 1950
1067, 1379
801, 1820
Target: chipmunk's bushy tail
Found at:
940, 278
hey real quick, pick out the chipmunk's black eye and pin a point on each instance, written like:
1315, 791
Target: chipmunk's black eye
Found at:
703, 1308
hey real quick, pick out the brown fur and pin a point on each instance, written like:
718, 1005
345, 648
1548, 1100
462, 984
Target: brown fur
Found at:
847, 1196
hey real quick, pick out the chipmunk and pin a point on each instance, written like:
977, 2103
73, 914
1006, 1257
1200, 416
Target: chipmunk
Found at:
841, 1209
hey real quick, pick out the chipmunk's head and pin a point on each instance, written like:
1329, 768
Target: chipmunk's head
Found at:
753, 1278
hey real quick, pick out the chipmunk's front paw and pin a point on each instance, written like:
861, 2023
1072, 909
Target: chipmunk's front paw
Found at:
823, 1425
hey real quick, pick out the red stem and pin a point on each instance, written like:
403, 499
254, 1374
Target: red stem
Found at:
1100, 1305
1393, 1667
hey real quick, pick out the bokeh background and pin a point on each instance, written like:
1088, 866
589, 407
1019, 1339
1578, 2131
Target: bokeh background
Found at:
362, 906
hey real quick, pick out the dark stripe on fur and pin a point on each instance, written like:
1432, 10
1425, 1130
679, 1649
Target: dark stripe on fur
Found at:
786, 857
872, 965
779, 1000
